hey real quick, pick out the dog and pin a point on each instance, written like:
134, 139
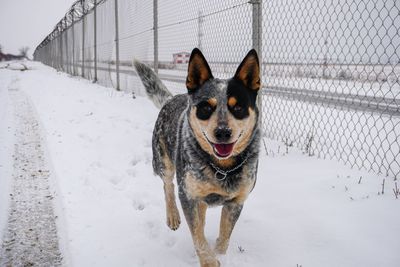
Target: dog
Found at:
209, 137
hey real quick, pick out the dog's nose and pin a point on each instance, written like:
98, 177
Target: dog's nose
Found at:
223, 134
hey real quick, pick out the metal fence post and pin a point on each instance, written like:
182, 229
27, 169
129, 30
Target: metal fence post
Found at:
116, 43
66, 45
73, 41
95, 40
257, 44
200, 21
155, 27
51, 53
60, 39
83, 38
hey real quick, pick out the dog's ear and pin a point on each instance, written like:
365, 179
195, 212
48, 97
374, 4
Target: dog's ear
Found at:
198, 71
249, 71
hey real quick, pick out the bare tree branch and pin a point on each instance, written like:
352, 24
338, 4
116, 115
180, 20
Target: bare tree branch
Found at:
23, 51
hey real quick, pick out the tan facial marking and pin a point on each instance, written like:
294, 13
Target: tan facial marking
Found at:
232, 101
200, 126
242, 130
212, 102
241, 133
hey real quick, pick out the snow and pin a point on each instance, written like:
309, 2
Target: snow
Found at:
110, 206
7, 80
30, 238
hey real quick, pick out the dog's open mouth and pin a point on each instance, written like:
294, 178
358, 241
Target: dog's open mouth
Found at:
223, 150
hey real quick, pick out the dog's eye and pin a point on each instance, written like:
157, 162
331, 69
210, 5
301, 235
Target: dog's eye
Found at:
239, 112
204, 111
237, 109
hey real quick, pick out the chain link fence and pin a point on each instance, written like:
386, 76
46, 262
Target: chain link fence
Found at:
330, 69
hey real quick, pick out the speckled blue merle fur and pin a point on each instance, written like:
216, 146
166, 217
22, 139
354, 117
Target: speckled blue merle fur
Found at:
209, 138
155, 89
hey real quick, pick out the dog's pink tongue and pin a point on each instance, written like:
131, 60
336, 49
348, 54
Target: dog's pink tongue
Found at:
224, 150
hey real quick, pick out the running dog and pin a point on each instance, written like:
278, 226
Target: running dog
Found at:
209, 138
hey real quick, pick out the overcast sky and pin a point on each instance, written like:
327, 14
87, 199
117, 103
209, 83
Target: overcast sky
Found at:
27, 22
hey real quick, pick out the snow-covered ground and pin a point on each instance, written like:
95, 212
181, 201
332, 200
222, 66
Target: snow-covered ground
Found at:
30, 237
6, 144
303, 211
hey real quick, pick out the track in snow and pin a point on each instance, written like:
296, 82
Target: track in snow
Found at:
30, 237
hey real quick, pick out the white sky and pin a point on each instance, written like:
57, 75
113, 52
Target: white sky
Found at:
27, 22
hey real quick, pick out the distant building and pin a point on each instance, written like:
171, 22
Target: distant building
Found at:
8, 57
181, 58
2, 57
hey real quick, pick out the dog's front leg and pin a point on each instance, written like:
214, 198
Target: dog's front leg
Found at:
229, 215
195, 212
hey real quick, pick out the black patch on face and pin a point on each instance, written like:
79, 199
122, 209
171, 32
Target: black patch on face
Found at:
204, 110
246, 98
200, 97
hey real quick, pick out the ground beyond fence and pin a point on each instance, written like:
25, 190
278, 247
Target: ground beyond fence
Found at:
330, 69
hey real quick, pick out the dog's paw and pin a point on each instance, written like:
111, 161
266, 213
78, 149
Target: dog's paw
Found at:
214, 263
221, 247
173, 219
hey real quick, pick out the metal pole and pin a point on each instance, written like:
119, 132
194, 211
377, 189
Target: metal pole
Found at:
51, 57
66, 44
83, 38
60, 39
155, 27
95, 40
200, 21
257, 26
73, 42
257, 44
116, 43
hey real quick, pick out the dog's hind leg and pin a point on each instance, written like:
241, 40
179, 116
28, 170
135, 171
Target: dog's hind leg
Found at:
173, 218
229, 215
165, 168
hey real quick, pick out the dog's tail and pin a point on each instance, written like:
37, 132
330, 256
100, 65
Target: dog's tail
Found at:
155, 89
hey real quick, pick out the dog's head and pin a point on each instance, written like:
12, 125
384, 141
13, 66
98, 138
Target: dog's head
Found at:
223, 113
